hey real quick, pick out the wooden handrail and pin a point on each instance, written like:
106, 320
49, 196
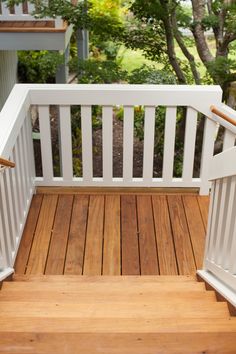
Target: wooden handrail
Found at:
223, 115
6, 163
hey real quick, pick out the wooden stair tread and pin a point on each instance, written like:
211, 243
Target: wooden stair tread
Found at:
114, 309
119, 296
116, 325
101, 279
128, 315
104, 287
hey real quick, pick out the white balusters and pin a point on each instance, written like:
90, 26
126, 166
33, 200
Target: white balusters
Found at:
207, 153
220, 251
16, 189
223, 207
87, 143
189, 144
127, 179
19, 182
107, 144
5, 10
22, 162
19, 10
15, 194
65, 143
12, 206
148, 149
230, 225
128, 141
31, 7
232, 252
169, 143
46, 144
214, 218
9, 210
5, 221
26, 159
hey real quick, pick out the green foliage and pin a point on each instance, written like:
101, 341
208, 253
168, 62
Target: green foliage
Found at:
184, 16
98, 72
150, 75
77, 151
38, 66
210, 21
222, 70
105, 18
147, 37
105, 49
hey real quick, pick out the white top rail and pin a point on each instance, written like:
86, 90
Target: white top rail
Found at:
197, 97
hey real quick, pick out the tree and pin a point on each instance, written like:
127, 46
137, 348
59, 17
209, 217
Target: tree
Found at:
155, 26
165, 19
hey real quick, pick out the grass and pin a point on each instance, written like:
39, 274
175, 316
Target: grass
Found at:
133, 59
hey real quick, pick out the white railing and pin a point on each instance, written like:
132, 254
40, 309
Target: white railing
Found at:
17, 185
24, 12
196, 99
220, 252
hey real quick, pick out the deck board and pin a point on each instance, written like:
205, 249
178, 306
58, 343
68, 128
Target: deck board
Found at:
204, 206
183, 247
76, 241
113, 234
40, 246
164, 237
57, 250
129, 236
94, 238
111, 250
196, 228
29, 231
147, 240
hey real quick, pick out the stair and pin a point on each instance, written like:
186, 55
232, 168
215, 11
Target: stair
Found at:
121, 315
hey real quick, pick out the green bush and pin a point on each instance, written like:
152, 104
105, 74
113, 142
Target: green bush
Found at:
38, 66
97, 72
150, 75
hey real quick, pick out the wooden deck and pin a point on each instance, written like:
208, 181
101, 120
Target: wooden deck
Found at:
114, 234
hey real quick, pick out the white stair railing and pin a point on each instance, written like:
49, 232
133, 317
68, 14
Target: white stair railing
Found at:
16, 184
220, 252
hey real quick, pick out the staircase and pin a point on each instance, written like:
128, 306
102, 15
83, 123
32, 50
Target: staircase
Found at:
106, 314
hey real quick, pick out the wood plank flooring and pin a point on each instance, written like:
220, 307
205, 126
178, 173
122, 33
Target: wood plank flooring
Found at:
106, 234
31, 26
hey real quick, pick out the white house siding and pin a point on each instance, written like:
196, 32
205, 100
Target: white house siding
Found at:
8, 74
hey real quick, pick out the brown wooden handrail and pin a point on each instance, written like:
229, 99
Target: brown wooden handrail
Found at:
6, 163
223, 115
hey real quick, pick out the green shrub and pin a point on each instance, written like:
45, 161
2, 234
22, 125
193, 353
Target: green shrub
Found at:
150, 75
38, 66
97, 72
